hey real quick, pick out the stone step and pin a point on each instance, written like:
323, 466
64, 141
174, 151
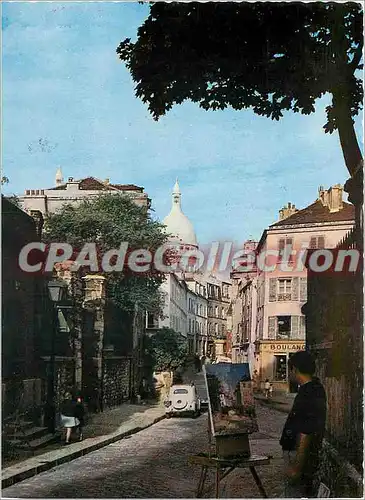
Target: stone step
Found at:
23, 424
29, 434
34, 444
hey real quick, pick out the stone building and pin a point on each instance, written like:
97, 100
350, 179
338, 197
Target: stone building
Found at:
244, 308
282, 290
73, 191
198, 315
219, 297
120, 348
104, 343
26, 314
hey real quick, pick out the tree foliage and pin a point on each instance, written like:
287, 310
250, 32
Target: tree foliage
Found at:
270, 57
109, 220
167, 350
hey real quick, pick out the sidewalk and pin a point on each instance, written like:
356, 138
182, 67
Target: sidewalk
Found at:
103, 429
279, 402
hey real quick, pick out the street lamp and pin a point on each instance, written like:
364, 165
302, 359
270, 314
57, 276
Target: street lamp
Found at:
56, 289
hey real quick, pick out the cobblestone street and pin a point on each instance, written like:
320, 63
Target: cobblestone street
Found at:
154, 464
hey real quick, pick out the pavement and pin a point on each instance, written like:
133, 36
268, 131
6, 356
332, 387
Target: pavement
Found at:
280, 402
103, 429
117, 424
154, 463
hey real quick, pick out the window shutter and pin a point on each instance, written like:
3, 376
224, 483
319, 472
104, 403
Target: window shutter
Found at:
272, 289
320, 241
303, 289
313, 242
281, 247
294, 334
272, 327
302, 328
295, 289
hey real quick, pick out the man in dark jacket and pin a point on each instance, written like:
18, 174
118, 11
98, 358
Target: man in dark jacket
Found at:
304, 429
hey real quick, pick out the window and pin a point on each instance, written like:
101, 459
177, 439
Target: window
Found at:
216, 329
316, 242
284, 327
223, 313
285, 248
152, 321
181, 391
287, 289
280, 368
284, 289
216, 312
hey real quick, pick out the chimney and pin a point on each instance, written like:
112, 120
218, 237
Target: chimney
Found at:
287, 211
335, 198
72, 185
332, 197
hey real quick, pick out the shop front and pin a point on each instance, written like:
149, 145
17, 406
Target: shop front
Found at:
273, 357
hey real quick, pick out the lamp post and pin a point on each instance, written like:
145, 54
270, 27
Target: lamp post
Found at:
56, 289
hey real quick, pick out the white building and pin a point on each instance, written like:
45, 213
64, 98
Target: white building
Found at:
73, 191
178, 224
197, 283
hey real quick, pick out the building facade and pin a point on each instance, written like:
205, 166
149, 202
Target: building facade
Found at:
207, 299
74, 191
219, 299
244, 309
282, 289
198, 311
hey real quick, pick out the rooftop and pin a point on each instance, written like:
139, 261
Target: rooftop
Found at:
93, 184
317, 213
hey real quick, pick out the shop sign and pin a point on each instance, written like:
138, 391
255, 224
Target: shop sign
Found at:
284, 347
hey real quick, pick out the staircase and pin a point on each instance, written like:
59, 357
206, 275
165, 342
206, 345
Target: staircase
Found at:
21, 434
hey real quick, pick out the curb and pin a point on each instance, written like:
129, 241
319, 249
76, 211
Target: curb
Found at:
42, 465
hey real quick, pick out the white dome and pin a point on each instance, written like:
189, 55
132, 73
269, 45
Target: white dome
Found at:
177, 223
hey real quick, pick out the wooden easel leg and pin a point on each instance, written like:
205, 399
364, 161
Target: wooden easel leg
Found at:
258, 482
203, 475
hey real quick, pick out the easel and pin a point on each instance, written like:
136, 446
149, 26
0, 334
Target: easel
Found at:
226, 453
223, 467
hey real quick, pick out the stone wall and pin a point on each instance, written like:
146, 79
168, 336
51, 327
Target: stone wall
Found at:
334, 325
338, 475
116, 380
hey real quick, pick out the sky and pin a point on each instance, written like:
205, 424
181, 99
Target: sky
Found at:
68, 101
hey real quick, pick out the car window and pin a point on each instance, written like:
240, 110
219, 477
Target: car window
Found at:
181, 391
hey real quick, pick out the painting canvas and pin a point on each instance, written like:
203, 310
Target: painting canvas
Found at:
231, 402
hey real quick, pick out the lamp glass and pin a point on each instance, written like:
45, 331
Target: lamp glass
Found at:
55, 289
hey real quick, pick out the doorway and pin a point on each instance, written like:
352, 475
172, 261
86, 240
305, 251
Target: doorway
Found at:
293, 386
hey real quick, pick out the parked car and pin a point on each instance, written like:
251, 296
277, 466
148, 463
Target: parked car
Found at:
183, 400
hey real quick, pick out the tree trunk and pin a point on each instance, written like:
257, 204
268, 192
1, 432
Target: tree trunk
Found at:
349, 144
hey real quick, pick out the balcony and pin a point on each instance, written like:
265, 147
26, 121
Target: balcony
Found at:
282, 297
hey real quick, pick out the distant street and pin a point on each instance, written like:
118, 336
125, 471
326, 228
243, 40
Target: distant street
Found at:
153, 464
